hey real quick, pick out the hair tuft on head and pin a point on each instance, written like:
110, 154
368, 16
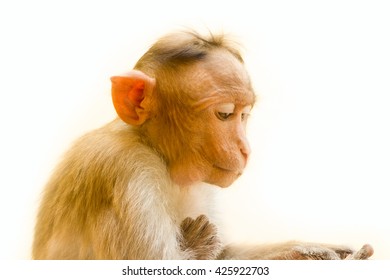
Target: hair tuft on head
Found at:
185, 47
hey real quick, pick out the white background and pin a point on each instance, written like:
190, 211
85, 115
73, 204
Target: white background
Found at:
320, 133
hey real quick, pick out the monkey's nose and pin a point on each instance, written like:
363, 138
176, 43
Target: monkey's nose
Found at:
244, 147
245, 154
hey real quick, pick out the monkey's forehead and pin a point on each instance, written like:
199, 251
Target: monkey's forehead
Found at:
222, 74
233, 85
239, 97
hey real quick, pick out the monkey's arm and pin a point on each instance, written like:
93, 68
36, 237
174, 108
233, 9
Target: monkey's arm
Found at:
199, 238
296, 251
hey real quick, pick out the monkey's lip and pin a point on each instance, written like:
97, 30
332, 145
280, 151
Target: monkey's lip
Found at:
236, 171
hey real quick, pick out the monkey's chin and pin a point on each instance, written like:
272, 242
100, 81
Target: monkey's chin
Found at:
222, 182
223, 177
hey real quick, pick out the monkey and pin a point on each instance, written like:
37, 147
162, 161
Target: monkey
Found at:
143, 185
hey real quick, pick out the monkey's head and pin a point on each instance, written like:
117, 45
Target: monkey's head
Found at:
190, 98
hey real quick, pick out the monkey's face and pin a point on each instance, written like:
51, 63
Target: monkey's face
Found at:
216, 150
226, 149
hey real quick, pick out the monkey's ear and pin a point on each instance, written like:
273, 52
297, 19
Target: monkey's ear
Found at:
131, 96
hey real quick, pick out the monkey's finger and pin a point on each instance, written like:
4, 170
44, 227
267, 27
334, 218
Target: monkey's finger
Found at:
186, 224
202, 222
198, 225
364, 253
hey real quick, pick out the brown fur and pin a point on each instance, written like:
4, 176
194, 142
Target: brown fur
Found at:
132, 189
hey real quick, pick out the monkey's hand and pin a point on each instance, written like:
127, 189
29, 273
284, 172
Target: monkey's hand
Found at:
329, 252
363, 254
199, 238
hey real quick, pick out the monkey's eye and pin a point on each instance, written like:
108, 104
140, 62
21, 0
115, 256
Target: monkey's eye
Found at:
225, 111
224, 116
246, 113
244, 116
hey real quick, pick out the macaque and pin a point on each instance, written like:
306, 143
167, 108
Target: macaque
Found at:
142, 186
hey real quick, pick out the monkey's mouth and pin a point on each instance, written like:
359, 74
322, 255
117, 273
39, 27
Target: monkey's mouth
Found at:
228, 170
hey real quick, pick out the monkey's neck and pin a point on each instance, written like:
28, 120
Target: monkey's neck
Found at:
196, 200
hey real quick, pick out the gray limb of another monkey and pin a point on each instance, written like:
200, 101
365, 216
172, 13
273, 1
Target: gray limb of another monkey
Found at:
199, 238
332, 253
296, 251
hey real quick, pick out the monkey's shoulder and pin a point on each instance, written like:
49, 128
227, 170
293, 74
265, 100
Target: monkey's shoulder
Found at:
106, 154
115, 143
108, 160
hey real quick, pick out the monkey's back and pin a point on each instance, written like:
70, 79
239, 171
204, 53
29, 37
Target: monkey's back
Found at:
89, 199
